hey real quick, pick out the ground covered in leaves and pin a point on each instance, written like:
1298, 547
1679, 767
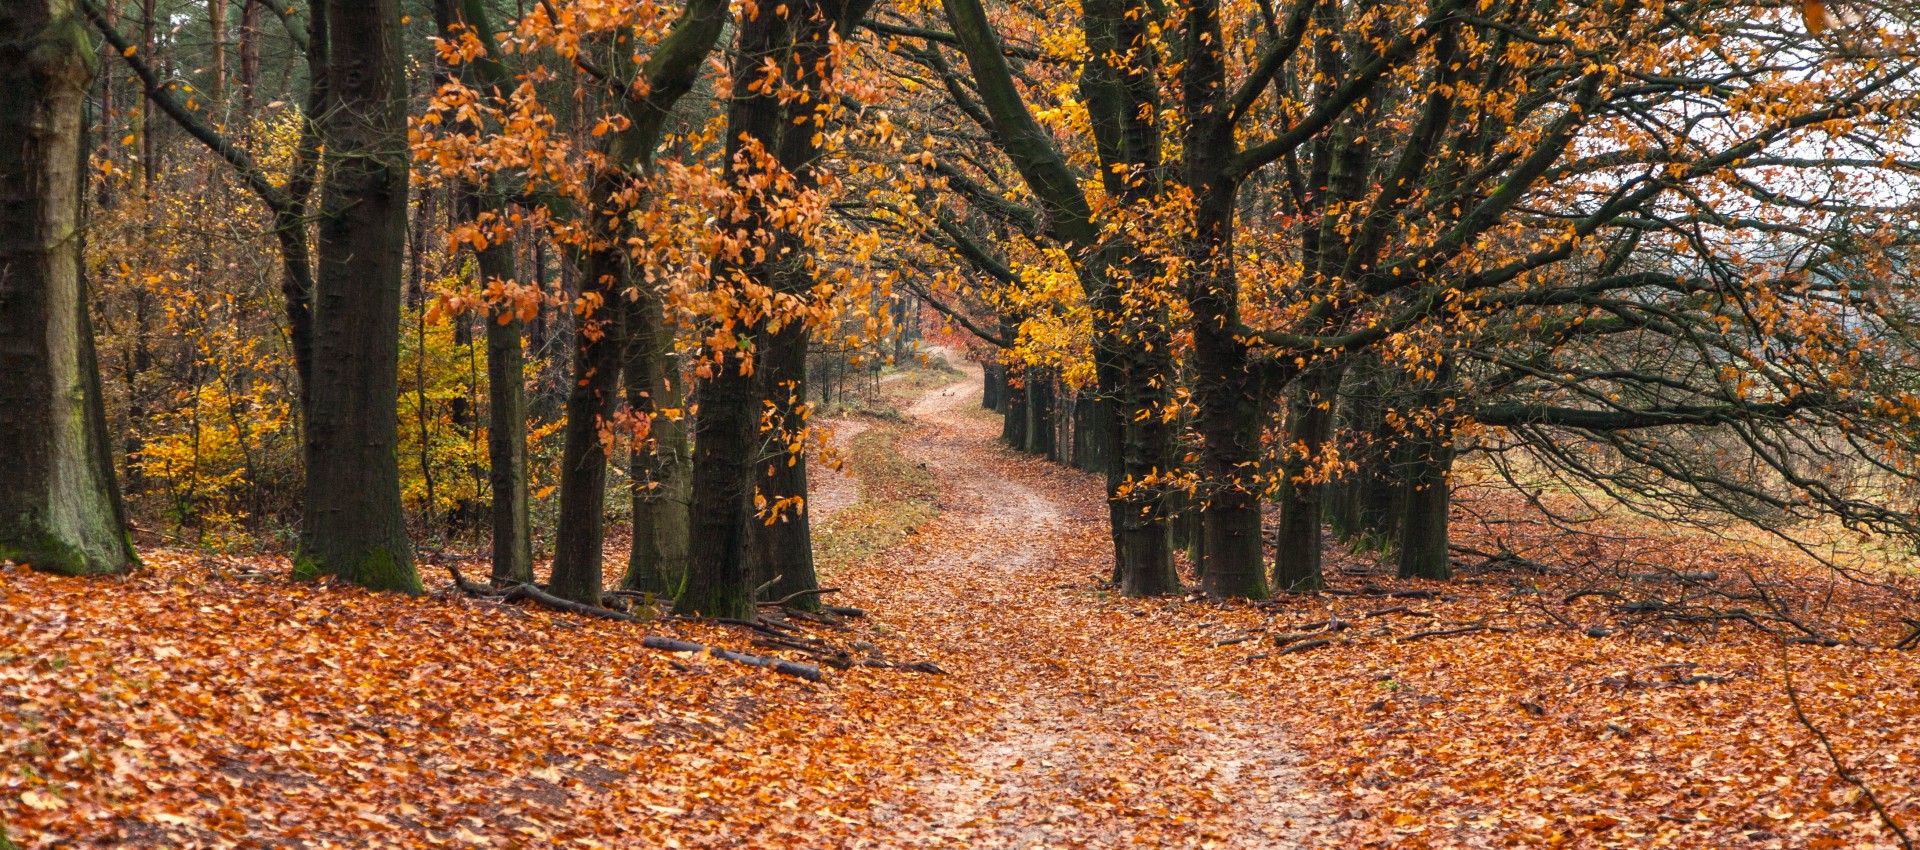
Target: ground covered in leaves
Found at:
1628, 692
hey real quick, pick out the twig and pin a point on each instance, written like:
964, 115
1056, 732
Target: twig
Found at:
1839, 767
1304, 646
797, 594
1476, 627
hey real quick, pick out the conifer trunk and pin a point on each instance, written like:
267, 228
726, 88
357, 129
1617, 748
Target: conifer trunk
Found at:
60, 510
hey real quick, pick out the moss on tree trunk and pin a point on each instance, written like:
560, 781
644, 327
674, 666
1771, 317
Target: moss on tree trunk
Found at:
60, 510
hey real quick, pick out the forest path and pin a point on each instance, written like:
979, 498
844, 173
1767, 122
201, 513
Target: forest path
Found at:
1099, 731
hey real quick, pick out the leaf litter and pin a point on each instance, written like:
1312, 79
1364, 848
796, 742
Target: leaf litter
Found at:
205, 703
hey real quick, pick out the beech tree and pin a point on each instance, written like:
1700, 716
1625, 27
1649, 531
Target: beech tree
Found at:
61, 509
479, 204
352, 525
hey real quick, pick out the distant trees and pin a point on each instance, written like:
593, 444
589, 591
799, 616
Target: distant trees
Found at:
1411, 187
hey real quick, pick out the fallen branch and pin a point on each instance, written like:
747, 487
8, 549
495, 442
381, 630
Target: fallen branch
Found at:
1477, 627
770, 582
548, 600
844, 612
1304, 646
1677, 577
460, 583
1839, 767
1398, 609
797, 594
915, 666
804, 671
1913, 637
835, 658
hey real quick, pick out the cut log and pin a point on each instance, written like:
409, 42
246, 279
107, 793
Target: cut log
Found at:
804, 671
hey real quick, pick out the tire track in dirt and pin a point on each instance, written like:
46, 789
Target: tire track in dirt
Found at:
1098, 733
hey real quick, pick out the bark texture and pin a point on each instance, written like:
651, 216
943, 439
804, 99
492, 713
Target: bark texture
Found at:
353, 526
661, 464
60, 510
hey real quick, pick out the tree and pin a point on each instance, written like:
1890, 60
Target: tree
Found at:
1131, 338
480, 205
727, 448
352, 525
781, 544
61, 509
643, 105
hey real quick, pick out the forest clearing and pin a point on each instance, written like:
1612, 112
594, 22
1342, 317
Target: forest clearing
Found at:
972, 424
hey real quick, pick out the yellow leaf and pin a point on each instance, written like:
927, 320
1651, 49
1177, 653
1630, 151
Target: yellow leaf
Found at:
42, 802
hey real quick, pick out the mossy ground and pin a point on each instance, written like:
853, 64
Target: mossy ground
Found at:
896, 499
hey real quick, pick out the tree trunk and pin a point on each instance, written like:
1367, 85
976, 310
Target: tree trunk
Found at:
506, 359
661, 532
1373, 490
727, 445
993, 378
507, 446
1423, 536
217, 56
1039, 430
782, 550
580, 533
1065, 409
1013, 421
353, 526
60, 510
1137, 510
1302, 495
1427, 494
249, 53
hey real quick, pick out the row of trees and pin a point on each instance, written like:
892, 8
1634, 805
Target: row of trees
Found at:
1300, 254
1319, 250
735, 321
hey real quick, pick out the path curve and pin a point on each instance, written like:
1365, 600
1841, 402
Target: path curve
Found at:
1100, 733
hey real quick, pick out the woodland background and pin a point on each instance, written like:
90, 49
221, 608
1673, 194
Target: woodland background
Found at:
1482, 391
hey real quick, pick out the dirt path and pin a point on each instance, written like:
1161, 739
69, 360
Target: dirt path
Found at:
1100, 735
831, 490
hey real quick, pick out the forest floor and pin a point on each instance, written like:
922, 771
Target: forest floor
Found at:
213, 702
